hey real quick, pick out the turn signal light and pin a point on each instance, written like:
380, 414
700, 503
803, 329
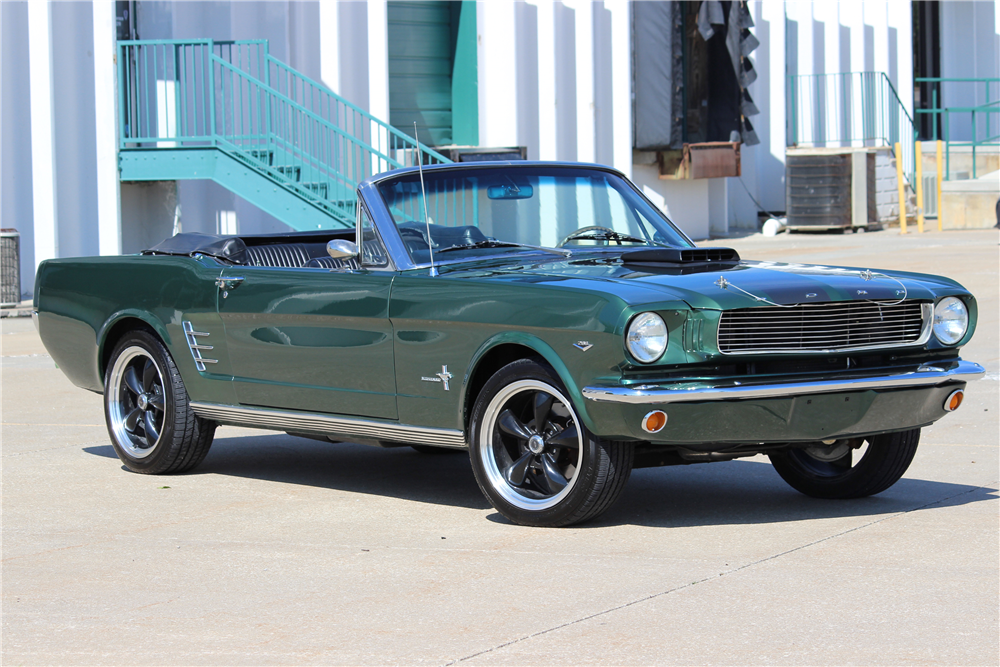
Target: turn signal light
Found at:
654, 421
954, 400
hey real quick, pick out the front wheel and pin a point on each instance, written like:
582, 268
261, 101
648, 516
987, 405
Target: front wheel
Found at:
152, 426
533, 458
850, 468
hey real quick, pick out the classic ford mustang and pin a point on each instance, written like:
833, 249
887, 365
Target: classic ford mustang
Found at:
545, 316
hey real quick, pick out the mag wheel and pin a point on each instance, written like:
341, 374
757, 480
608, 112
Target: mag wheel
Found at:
150, 421
849, 468
533, 458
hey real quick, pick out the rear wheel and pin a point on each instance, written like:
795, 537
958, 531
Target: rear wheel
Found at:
850, 468
152, 426
533, 458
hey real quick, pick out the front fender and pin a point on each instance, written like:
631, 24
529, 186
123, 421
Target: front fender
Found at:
544, 350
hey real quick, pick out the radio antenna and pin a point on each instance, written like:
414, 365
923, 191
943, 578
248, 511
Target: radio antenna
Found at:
423, 190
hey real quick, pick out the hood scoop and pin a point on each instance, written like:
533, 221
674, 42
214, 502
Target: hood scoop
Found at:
686, 260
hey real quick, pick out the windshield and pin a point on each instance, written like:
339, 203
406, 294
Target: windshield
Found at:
503, 209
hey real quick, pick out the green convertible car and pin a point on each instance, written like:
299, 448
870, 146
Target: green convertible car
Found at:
544, 316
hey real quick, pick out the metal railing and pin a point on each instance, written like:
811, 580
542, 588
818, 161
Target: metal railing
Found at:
944, 116
203, 93
849, 109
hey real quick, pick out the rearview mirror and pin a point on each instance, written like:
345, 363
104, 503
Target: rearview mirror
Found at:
509, 191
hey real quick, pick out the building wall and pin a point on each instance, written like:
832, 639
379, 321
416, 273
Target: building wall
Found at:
553, 75
969, 32
16, 206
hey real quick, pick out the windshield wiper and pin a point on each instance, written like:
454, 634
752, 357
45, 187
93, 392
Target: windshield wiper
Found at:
493, 243
608, 236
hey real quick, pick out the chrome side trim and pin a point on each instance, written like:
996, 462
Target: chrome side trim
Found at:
925, 376
288, 420
191, 336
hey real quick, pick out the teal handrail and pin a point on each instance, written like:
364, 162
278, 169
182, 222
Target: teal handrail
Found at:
849, 109
325, 103
944, 116
198, 93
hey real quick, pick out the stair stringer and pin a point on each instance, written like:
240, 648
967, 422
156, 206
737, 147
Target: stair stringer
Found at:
209, 162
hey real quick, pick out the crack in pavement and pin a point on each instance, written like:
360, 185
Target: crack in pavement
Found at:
710, 578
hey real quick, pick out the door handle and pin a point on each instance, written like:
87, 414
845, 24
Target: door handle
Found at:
226, 283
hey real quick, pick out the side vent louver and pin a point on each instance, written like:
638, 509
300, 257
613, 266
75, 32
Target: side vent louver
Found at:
196, 349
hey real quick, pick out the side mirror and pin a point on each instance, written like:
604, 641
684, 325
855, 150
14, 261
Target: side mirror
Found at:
341, 249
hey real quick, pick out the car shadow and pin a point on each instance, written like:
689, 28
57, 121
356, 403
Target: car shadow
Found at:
732, 492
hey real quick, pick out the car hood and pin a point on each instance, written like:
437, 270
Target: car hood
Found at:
723, 287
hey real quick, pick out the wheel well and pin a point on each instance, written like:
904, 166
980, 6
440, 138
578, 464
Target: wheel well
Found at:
491, 362
115, 334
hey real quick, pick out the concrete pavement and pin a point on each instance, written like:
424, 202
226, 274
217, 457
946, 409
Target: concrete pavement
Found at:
280, 550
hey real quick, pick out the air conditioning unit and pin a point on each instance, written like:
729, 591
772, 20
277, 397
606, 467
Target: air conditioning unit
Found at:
829, 188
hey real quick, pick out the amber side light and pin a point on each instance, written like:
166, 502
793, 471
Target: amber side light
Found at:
954, 400
654, 421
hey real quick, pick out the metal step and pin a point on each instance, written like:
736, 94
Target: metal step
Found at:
291, 173
265, 157
319, 189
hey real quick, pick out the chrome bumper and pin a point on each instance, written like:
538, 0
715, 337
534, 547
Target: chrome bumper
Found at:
925, 376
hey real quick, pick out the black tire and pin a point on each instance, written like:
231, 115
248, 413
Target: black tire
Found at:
824, 472
152, 426
556, 474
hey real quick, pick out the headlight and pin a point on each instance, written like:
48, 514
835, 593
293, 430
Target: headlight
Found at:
951, 320
646, 338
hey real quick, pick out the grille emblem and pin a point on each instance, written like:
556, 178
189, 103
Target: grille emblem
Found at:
862, 292
811, 295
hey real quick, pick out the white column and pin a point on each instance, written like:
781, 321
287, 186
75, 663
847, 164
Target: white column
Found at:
498, 85
852, 15
585, 102
106, 130
329, 44
378, 77
900, 18
43, 167
771, 152
875, 16
802, 14
546, 81
621, 85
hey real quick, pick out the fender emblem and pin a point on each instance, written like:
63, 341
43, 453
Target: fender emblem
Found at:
583, 345
444, 376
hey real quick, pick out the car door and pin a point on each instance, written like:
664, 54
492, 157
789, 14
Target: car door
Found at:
310, 339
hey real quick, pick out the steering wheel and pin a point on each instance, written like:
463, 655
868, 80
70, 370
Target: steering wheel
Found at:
582, 231
412, 234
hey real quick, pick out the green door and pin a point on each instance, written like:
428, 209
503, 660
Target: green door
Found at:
432, 71
311, 339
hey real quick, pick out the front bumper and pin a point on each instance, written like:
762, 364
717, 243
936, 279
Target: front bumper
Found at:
776, 412
924, 376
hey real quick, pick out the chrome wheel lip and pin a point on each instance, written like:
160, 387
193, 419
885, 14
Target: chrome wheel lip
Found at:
117, 411
487, 453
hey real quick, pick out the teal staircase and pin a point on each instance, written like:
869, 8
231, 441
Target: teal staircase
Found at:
232, 113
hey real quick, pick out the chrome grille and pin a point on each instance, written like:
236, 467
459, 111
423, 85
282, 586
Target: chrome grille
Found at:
848, 325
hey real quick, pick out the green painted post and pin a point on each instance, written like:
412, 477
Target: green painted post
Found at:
936, 116
974, 142
210, 125
464, 79
122, 85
